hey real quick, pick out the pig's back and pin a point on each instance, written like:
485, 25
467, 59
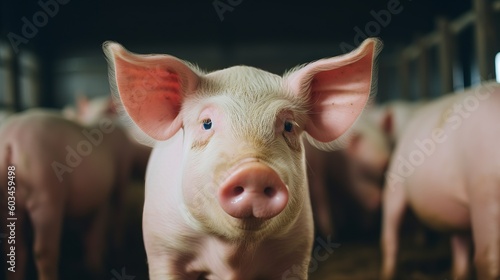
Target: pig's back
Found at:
439, 186
39, 140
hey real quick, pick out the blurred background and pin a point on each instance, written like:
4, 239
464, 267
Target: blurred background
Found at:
50, 53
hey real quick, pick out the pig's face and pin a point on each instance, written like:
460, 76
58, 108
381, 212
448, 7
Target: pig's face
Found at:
234, 120
243, 160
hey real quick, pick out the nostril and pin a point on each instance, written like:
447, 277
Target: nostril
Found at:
253, 190
269, 191
238, 190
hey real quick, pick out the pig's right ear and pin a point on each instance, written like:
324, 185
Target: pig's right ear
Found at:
337, 89
151, 88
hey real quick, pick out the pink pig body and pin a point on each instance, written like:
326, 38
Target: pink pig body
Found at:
173, 236
54, 186
444, 167
226, 186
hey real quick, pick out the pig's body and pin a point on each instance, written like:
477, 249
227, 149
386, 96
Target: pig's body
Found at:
456, 185
32, 142
226, 187
189, 250
4, 114
89, 112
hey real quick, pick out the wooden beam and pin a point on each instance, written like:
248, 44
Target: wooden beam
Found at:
485, 39
423, 70
404, 72
446, 55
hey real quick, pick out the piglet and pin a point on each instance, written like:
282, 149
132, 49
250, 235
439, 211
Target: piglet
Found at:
226, 188
446, 167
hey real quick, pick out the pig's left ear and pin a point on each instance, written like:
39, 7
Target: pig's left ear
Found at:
151, 88
337, 88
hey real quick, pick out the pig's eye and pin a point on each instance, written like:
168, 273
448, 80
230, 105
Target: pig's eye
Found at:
288, 126
207, 124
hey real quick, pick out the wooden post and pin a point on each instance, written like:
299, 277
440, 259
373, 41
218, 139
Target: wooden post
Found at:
7, 101
423, 70
446, 55
485, 39
404, 72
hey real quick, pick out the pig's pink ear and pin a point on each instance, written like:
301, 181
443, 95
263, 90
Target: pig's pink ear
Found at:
151, 88
337, 88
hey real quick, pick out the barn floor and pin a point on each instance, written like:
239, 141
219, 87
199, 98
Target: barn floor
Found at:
354, 259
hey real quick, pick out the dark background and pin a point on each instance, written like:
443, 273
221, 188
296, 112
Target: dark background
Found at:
273, 35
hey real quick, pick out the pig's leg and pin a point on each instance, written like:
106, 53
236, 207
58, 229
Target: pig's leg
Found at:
394, 205
460, 246
95, 240
485, 216
46, 209
162, 267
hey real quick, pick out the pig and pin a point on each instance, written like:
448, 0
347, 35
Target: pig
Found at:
392, 118
352, 175
89, 112
446, 167
226, 189
64, 174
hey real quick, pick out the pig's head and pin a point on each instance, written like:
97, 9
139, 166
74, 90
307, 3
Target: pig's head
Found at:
89, 112
243, 159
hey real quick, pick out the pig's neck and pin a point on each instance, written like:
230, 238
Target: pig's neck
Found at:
272, 255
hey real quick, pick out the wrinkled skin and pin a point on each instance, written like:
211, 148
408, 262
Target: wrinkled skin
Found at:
452, 180
31, 142
224, 139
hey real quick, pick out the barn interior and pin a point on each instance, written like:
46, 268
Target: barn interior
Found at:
51, 57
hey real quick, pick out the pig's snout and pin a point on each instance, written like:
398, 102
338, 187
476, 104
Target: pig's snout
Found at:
253, 190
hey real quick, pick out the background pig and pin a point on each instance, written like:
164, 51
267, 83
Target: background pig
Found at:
89, 112
392, 117
4, 114
65, 174
447, 168
346, 185
226, 192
